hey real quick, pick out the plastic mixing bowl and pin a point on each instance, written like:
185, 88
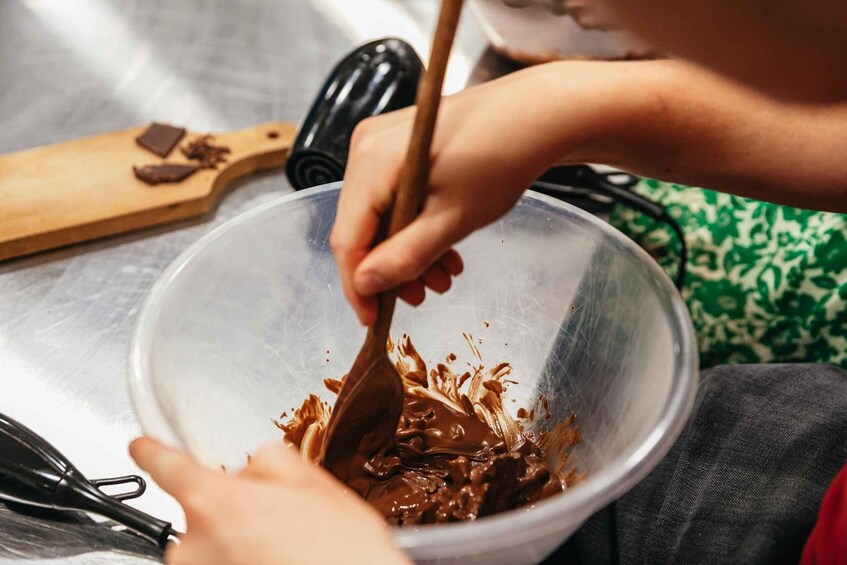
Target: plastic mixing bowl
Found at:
251, 319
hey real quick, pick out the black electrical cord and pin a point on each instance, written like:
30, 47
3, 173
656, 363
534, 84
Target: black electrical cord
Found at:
679, 280
584, 182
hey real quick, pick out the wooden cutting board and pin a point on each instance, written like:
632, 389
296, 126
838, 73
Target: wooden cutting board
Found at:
84, 189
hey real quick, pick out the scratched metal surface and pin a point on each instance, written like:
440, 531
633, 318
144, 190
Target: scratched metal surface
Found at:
69, 69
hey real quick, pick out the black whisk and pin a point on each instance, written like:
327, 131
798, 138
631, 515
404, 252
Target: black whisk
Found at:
34, 473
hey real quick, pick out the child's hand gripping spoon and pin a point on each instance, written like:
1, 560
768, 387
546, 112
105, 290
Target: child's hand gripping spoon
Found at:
364, 419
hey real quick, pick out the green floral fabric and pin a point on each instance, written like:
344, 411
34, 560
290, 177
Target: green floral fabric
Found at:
765, 283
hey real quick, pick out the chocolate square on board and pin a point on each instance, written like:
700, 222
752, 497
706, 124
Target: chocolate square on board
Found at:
160, 138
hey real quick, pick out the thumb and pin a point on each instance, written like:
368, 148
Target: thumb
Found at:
407, 254
280, 462
172, 469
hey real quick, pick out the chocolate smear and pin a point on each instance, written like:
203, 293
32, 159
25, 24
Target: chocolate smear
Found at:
166, 173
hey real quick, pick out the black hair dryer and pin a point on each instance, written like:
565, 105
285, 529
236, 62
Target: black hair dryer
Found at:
34, 473
378, 77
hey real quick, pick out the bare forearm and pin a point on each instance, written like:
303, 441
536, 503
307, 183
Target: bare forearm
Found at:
682, 124
659, 119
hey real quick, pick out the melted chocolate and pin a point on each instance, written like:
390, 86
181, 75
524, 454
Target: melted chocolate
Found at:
457, 454
448, 466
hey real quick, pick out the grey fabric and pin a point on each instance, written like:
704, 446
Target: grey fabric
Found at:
742, 484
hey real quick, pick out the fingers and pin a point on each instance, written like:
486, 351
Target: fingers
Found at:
376, 155
413, 293
173, 553
192, 550
172, 469
351, 238
363, 200
354, 230
439, 277
181, 553
452, 262
410, 253
279, 462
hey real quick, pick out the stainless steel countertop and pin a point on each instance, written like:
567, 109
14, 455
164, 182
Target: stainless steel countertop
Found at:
75, 68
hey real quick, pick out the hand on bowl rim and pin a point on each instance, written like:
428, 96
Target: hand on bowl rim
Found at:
278, 509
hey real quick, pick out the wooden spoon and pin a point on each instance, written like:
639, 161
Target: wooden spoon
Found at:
364, 419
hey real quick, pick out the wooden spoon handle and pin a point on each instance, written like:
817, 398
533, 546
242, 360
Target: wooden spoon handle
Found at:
415, 173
